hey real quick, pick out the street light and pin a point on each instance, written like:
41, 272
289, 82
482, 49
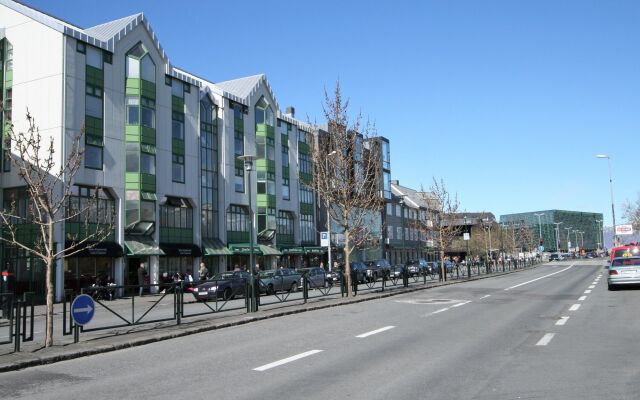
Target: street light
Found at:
468, 258
613, 211
252, 304
557, 232
539, 226
576, 233
568, 238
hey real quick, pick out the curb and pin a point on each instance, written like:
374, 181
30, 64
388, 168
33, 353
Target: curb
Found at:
73, 351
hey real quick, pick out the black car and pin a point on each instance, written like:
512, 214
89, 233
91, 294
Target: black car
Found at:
378, 269
225, 285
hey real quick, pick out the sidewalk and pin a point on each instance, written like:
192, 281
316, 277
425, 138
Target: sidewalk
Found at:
34, 353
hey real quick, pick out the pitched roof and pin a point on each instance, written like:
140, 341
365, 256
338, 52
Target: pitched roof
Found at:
416, 198
108, 30
242, 87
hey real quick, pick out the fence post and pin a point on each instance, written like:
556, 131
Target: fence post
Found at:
305, 288
18, 306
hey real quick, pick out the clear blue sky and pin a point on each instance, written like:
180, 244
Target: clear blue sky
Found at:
507, 101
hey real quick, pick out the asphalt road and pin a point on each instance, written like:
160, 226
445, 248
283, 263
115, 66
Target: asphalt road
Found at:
553, 332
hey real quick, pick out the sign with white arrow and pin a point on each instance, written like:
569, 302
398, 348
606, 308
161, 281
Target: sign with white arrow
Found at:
82, 309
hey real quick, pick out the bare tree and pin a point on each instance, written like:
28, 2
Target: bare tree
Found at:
632, 213
346, 175
447, 226
49, 190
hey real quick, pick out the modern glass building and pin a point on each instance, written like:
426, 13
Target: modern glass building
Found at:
572, 230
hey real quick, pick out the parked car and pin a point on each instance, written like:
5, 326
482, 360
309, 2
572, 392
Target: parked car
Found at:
277, 280
225, 285
316, 276
378, 269
360, 270
396, 271
624, 271
556, 257
419, 266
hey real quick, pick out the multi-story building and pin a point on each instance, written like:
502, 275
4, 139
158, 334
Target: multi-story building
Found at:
572, 230
161, 145
410, 237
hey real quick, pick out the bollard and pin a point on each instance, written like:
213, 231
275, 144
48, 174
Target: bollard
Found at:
468, 271
305, 288
405, 276
16, 347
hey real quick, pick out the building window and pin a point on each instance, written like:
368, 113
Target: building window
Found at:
285, 156
81, 47
306, 195
92, 156
305, 163
307, 229
177, 126
208, 168
239, 180
237, 219
133, 110
147, 163
94, 57
284, 223
178, 168
176, 212
286, 195
148, 113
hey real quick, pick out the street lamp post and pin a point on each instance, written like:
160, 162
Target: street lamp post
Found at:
252, 304
468, 259
600, 234
539, 227
405, 280
557, 232
613, 211
575, 231
568, 238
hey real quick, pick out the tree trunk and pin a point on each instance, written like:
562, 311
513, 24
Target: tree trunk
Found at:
347, 266
48, 341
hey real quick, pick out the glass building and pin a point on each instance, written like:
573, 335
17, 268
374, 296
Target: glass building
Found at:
572, 230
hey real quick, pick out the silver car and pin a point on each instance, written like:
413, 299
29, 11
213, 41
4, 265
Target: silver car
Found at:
624, 271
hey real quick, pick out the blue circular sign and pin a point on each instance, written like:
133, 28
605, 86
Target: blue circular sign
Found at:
82, 309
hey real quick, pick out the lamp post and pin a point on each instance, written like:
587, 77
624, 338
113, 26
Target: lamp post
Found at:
252, 305
405, 280
575, 231
613, 211
539, 226
468, 258
600, 234
568, 238
557, 232
581, 239
489, 255
328, 213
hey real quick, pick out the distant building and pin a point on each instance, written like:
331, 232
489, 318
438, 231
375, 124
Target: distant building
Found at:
571, 229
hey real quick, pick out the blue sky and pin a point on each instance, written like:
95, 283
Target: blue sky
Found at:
507, 101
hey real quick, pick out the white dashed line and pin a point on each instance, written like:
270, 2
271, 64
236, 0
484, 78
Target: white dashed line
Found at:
587, 291
286, 360
460, 304
592, 287
440, 310
582, 298
574, 307
485, 296
545, 339
537, 279
562, 321
364, 335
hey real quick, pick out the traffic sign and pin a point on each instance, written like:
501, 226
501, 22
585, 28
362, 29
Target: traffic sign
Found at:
324, 239
82, 309
541, 248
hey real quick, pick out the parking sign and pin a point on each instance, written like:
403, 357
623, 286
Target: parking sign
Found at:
324, 239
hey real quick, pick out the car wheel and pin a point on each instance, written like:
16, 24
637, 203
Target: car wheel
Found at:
227, 295
294, 287
270, 290
611, 287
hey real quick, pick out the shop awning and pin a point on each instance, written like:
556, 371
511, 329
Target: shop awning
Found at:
215, 247
95, 249
292, 250
244, 248
315, 250
261, 249
142, 246
269, 251
180, 249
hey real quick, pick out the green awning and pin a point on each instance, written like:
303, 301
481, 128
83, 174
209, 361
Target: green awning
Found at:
315, 250
269, 251
215, 247
261, 249
142, 246
292, 250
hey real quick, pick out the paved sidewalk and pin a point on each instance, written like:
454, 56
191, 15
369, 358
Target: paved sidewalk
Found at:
34, 354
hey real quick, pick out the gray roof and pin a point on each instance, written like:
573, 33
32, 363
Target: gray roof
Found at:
242, 87
415, 198
108, 30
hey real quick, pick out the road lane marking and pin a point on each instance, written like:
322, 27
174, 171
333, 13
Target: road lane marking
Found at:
582, 298
545, 339
562, 321
537, 279
461, 304
440, 310
574, 307
364, 335
587, 291
485, 296
286, 360
592, 287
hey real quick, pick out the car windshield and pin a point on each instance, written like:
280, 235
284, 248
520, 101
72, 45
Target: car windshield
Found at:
267, 274
222, 276
626, 262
